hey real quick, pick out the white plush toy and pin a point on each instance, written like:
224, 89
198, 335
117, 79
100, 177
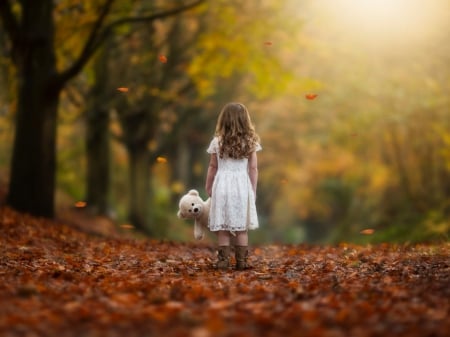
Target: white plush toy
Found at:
192, 206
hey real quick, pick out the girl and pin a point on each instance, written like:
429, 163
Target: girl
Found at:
231, 182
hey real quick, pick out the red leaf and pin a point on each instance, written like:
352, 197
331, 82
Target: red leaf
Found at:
162, 59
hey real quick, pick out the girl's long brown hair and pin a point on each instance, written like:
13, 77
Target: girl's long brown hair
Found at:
236, 133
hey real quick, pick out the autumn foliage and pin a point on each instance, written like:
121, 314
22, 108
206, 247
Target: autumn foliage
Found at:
57, 281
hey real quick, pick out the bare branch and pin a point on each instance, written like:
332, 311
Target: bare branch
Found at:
90, 46
141, 19
98, 36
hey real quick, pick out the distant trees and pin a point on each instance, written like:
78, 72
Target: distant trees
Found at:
31, 31
371, 151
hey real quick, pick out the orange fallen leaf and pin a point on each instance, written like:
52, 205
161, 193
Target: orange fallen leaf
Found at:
174, 305
367, 231
161, 160
80, 204
220, 304
122, 89
311, 96
162, 58
268, 43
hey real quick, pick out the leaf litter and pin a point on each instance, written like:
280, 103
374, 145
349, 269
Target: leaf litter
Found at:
58, 281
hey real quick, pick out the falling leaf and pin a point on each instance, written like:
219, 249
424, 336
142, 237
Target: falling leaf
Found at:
80, 204
311, 96
268, 43
161, 160
126, 226
367, 231
122, 89
162, 59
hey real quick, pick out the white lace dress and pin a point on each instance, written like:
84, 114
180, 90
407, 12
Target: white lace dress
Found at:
232, 201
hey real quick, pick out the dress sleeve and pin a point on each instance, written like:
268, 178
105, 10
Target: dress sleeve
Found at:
213, 146
258, 147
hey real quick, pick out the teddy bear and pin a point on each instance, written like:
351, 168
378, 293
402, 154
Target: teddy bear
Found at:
192, 206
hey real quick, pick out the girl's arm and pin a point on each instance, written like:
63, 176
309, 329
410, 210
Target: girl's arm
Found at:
253, 170
212, 170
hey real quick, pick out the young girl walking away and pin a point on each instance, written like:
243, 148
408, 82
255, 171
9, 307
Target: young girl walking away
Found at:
231, 183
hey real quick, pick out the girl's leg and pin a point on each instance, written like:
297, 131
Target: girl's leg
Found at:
223, 239
242, 238
241, 250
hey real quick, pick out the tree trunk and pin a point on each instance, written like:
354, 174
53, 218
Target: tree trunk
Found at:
399, 161
98, 161
32, 177
139, 198
98, 141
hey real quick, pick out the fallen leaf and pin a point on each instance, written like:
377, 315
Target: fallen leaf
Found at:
122, 89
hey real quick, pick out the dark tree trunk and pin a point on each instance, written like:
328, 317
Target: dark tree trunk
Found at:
139, 197
98, 141
32, 179
98, 161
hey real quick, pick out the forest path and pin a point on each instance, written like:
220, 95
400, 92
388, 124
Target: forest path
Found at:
58, 281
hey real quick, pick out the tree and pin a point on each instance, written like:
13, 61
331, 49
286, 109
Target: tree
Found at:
98, 138
143, 112
30, 28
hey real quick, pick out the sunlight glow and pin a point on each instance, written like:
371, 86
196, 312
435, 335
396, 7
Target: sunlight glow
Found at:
381, 12
384, 20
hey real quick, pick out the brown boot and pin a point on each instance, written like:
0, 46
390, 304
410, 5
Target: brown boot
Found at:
223, 257
241, 253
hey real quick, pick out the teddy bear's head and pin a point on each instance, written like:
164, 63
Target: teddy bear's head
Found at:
191, 205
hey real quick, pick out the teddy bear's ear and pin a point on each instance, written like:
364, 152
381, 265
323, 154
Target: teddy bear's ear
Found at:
193, 192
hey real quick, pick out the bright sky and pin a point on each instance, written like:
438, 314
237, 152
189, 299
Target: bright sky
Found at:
386, 20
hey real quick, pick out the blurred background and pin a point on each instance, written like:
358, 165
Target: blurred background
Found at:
350, 99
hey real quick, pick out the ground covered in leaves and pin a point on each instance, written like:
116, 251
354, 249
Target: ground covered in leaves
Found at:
58, 281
